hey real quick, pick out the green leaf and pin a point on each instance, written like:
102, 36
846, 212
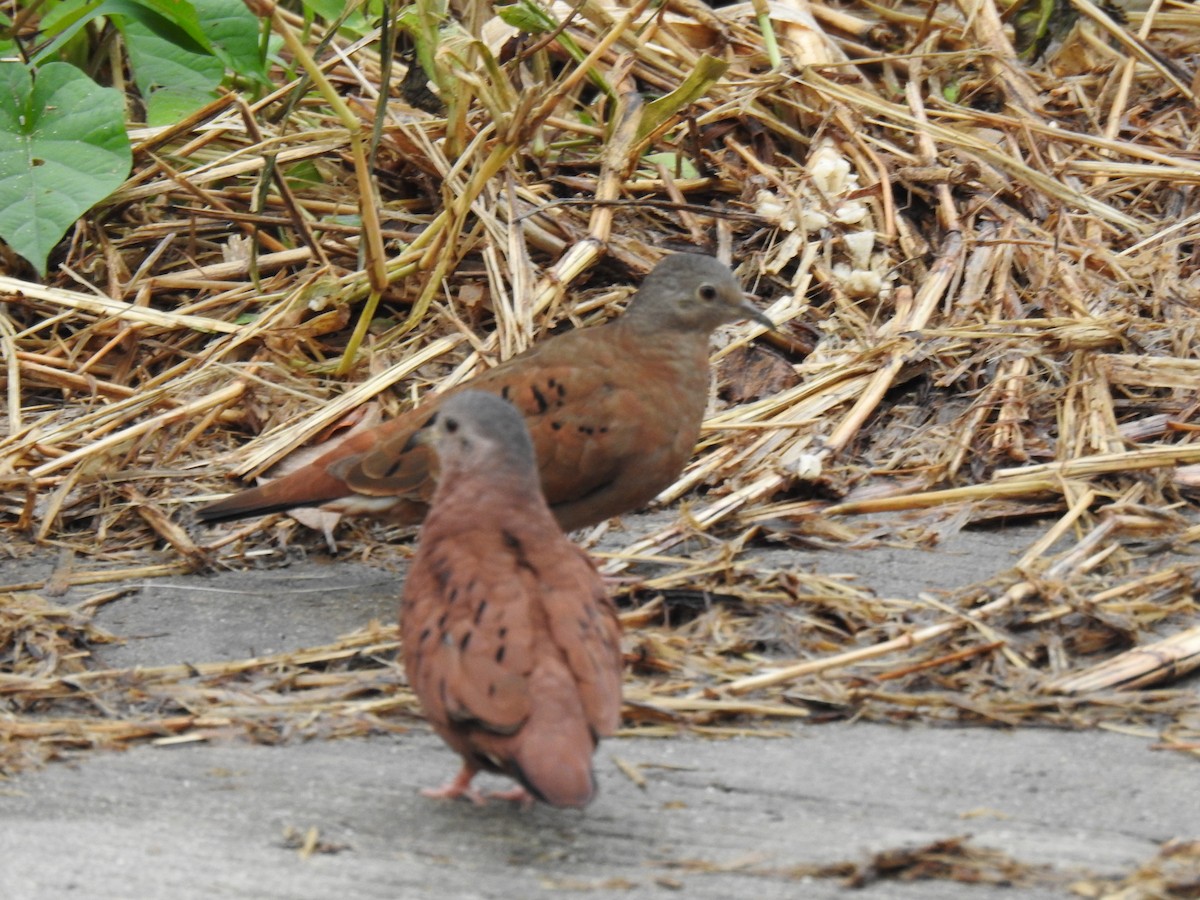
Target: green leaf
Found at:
326, 9
236, 34
526, 17
63, 148
303, 174
169, 105
708, 69
7, 46
676, 164
423, 21
63, 21
354, 21
173, 20
173, 80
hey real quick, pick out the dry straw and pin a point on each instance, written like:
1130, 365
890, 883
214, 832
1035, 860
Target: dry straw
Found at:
983, 270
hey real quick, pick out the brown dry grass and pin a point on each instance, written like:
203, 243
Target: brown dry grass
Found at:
983, 271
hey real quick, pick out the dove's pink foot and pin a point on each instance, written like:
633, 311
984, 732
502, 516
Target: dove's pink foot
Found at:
516, 795
459, 786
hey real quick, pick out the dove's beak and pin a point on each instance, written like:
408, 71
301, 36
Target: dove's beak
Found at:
753, 312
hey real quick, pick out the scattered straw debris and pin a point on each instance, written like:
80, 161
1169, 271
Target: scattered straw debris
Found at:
951, 859
1173, 874
954, 859
350, 688
309, 841
979, 264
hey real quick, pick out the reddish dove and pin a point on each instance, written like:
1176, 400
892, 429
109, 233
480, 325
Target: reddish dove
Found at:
614, 412
510, 641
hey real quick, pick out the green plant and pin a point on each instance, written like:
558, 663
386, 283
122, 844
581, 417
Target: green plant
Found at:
63, 143
63, 148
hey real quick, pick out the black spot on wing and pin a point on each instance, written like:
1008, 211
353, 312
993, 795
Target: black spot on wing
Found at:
513, 543
441, 571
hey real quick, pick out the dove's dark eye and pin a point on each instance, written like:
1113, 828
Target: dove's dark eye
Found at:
451, 426
707, 293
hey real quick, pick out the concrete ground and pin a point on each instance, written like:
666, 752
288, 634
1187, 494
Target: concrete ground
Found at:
742, 817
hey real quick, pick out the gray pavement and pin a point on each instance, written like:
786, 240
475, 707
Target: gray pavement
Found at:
742, 817
716, 819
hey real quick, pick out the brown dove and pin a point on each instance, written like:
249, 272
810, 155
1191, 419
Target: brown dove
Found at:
510, 641
614, 412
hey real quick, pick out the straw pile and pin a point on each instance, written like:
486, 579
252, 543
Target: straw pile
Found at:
982, 267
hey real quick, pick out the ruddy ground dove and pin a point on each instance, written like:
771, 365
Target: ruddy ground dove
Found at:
614, 412
510, 641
